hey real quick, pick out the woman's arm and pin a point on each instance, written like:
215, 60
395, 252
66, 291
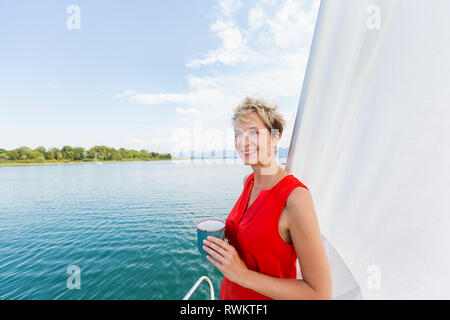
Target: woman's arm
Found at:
307, 240
280, 289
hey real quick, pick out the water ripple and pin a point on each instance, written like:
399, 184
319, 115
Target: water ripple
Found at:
129, 227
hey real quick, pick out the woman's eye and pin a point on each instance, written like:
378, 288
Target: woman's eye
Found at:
252, 132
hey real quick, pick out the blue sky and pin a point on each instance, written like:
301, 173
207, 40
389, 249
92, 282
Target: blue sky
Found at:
138, 71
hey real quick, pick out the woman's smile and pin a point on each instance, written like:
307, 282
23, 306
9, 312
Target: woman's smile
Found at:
249, 153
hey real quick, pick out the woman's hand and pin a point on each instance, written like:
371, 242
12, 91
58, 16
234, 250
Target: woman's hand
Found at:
225, 257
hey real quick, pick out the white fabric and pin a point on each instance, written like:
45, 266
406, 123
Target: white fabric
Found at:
372, 143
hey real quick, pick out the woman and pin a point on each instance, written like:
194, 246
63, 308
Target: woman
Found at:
272, 224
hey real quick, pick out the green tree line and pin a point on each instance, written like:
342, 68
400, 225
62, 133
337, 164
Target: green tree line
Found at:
68, 153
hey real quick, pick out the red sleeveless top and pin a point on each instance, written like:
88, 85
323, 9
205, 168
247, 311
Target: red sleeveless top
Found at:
254, 235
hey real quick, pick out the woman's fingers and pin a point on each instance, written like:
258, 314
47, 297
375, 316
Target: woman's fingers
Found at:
215, 247
215, 263
213, 253
219, 242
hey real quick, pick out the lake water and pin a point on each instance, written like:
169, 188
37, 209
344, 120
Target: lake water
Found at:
128, 226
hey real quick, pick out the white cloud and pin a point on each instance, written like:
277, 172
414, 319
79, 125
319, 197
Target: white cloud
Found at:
234, 47
269, 2
127, 93
292, 26
266, 56
271, 30
256, 17
204, 93
188, 111
228, 7
269, 58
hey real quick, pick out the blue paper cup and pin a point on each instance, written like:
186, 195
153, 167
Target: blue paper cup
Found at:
209, 227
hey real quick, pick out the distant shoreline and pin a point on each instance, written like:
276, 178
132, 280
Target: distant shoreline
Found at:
9, 163
26, 164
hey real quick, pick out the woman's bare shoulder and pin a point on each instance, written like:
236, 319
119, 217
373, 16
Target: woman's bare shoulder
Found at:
300, 202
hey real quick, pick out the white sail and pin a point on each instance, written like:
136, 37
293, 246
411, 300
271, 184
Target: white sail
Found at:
371, 141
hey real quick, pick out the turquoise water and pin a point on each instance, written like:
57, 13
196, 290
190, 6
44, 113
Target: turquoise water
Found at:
129, 227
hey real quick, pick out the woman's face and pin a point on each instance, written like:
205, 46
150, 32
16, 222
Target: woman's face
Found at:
253, 140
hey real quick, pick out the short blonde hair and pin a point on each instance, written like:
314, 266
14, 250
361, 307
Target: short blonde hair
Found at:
268, 112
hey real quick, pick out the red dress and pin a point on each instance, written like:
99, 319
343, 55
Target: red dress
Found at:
255, 236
